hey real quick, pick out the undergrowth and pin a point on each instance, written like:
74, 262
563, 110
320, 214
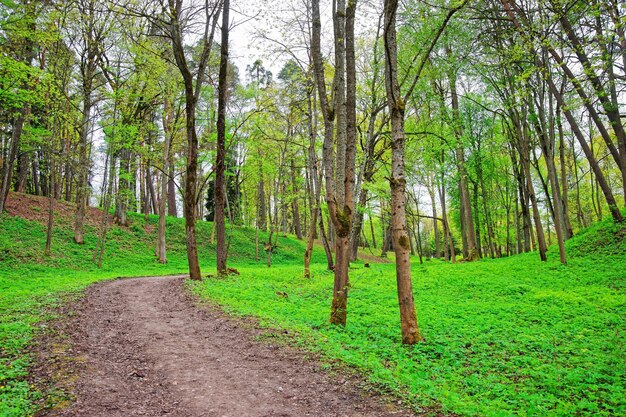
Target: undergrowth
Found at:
504, 337
32, 283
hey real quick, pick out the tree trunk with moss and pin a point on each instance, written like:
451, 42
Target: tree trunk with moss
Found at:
339, 166
220, 161
397, 180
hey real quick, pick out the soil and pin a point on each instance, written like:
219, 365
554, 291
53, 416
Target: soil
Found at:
142, 347
35, 208
372, 258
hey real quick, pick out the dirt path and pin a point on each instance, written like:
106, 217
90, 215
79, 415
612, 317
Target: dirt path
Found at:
148, 351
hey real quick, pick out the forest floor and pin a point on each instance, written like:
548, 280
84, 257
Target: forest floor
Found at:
141, 347
503, 337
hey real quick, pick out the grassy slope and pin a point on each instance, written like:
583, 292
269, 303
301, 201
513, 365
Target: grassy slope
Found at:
31, 282
503, 337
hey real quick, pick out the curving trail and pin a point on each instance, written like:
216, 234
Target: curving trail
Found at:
148, 351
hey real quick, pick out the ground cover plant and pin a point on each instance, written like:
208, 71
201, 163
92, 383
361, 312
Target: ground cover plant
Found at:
512, 336
31, 283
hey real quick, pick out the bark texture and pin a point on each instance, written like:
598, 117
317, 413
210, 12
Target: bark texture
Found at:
400, 237
220, 160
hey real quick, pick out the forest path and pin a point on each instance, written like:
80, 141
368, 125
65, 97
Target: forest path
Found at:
145, 349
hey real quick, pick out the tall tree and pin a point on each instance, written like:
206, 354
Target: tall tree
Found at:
21, 33
220, 160
339, 176
93, 28
193, 87
397, 180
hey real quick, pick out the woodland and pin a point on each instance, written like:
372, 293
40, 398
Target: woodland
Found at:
369, 163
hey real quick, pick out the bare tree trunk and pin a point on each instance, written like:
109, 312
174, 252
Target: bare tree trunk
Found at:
569, 232
143, 190
294, 202
220, 167
451, 253
7, 164
490, 231
522, 181
161, 245
330, 264
192, 94
341, 204
369, 215
51, 198
88, 67
547, 139
339, 184
518, 230
309, 243
284, 207
36, 181
190, 197
172, 210
108, 188
269, 245
541, 240
357, 224
387, 242
262, 210
314, 183
261, 207
367, 168
397, 180
150, 187
83, 161
256, 240
433, 201
24, 162
418, 238
123, 193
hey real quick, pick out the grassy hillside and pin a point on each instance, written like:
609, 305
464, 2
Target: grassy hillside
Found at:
504, 337
600, 239
31, 282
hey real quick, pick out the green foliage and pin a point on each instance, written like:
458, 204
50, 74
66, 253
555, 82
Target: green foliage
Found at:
511, 336
604, 238
503, 337
31, 283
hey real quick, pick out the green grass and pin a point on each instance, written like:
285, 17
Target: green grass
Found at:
31, 283
503, 337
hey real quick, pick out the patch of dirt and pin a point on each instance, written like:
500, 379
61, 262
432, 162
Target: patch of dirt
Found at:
372, 258
35, 208
140, 347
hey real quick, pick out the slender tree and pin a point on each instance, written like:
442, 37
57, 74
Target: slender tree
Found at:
193, 87
220, 166
397, 180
